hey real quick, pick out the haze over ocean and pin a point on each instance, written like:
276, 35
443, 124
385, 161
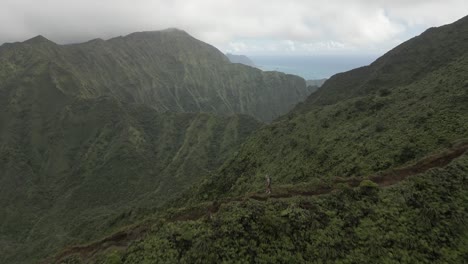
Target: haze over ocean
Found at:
312, 67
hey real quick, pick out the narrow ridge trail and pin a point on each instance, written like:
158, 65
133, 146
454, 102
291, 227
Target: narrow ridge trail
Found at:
382, 179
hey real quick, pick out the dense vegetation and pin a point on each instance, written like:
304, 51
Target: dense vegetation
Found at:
421, 220
66, 175
410, 102
166, 70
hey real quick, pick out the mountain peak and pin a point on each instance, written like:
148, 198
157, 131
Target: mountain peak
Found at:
95, 41
146, 34
38, 39
173, 29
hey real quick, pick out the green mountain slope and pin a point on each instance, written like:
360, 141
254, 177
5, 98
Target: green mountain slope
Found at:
69, 166
166, 70
412, 61
408, 103
92, 131
421, 220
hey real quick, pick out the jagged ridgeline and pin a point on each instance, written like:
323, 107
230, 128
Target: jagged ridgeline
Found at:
167, 70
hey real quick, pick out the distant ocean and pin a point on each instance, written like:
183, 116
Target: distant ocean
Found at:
312, 67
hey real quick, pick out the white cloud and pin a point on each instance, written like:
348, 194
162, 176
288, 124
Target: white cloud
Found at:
294, 26
288, 47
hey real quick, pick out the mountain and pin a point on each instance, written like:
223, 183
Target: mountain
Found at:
372, 167
166, 70
242, 59
90, 132
408, 103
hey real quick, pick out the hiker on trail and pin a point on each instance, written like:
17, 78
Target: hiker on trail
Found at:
268, 184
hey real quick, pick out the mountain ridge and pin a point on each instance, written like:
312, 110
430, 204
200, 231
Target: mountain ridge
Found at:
364, 120
401, 55
438, 160
166, 70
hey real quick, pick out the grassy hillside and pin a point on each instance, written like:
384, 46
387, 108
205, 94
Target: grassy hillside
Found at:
166, 70
410, 102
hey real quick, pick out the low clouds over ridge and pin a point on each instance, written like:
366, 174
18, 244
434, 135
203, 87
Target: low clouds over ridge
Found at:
242, 26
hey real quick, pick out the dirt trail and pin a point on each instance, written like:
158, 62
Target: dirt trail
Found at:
118, 240
383, 179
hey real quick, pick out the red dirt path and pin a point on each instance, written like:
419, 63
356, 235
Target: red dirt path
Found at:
123, 238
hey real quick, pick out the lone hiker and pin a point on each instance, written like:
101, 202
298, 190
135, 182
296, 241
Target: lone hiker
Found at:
268, 184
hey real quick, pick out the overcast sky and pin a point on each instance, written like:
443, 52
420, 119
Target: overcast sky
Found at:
251, 27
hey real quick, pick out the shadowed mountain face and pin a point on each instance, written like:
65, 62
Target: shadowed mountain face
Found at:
165, 70
92, 130
408, 103
69, 169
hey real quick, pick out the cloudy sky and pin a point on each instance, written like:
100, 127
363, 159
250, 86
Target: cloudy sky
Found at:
251, 27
